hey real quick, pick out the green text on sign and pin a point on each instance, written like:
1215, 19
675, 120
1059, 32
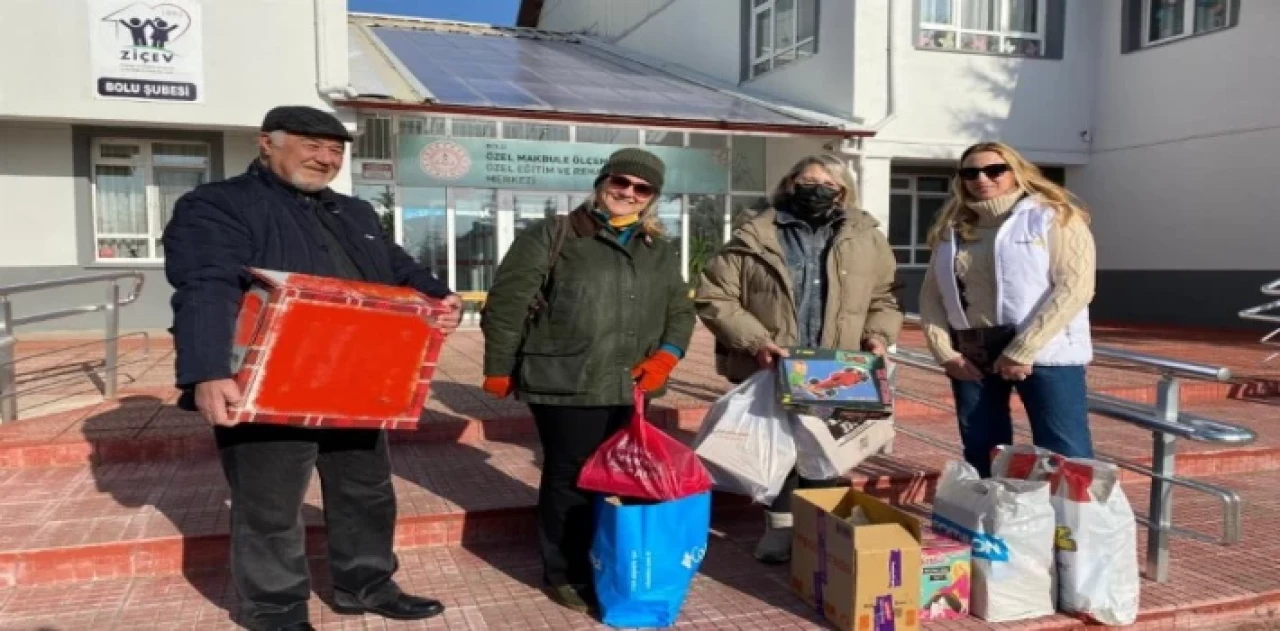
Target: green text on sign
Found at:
433, 161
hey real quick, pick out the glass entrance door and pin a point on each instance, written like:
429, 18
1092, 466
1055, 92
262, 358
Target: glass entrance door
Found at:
475, 243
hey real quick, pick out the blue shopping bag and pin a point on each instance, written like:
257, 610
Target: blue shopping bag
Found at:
644, 557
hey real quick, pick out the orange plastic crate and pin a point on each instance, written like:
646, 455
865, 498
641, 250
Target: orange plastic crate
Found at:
325, 352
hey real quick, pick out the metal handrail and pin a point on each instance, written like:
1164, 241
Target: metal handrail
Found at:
1170, 366
1188, 426
1259, 314
111, 335
1166, 424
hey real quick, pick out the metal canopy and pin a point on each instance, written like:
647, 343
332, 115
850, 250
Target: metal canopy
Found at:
555, 74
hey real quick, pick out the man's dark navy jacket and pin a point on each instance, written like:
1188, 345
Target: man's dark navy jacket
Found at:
257, 220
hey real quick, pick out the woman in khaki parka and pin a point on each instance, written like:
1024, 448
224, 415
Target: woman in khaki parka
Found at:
814, 271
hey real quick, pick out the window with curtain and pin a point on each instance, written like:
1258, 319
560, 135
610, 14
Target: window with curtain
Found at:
1002, 27
780, 32
1174, 19
135, 186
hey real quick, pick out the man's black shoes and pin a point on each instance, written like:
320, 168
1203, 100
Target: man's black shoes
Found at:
402, 607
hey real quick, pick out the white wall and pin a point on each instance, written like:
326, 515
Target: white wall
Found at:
949, 100
604, 19
702, 35
37, 196
257, 54
1187, 139
239, 150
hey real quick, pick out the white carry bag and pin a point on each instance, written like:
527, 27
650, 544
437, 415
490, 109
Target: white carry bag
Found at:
1096, 538
746, 440
1022, 462
1097, 542
1010, 524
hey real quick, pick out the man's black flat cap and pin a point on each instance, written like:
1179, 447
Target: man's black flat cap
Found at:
305, 121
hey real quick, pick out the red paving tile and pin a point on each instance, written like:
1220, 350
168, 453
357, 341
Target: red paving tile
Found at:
494, 587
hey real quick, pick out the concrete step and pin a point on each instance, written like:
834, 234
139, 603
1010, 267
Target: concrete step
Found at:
494, 584
144, 426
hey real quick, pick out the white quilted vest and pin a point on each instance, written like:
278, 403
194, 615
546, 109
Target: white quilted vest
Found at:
1023, 282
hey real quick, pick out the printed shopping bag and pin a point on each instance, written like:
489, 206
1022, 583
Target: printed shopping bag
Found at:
746, 440
1010, 526
1096, 538
644, 557
643, 462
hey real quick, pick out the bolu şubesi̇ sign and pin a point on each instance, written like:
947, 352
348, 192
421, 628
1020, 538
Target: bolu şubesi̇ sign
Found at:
146, 52
434, 161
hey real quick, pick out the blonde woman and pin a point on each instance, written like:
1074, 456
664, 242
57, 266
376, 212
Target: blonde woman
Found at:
1005, 303
814, 271
613, 312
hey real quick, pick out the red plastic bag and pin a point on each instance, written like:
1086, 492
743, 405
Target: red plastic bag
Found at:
641, 461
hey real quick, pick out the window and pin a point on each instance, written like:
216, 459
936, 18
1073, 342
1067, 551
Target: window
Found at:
533, 131
375, 141
998, 27
914, 202
1165, 20
780, 32
135, 185
607, 135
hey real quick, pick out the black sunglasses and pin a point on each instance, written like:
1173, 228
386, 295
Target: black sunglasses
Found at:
623, 182
992, 171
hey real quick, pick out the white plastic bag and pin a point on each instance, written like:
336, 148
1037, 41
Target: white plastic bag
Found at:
1096, 538
746, 440
1010, 524
1022, 462
1097, 542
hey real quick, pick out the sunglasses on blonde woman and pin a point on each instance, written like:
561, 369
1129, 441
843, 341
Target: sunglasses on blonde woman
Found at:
623, 182
992, 171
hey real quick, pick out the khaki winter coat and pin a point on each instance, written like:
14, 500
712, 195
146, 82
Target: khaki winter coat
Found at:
745, 296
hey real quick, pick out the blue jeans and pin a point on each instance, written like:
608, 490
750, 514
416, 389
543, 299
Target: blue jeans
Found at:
1055, 399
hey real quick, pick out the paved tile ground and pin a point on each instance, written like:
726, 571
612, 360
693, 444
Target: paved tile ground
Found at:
489, 587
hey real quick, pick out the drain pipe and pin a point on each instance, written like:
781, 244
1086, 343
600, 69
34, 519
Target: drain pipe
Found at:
329, 86
855, 149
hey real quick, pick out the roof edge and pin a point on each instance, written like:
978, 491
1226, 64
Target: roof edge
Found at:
712, 83
605, 119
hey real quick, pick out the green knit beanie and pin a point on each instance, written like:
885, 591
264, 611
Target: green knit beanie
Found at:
636, 163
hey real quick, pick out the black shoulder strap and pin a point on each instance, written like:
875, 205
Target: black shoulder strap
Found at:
558, 237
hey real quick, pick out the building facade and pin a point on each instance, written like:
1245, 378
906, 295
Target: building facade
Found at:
1151, 110
1143, 107
465, 133
100, 134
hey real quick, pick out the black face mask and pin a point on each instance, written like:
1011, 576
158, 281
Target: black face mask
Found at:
812, 200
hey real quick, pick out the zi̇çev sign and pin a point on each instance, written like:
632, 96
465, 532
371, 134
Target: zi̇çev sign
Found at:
146, 52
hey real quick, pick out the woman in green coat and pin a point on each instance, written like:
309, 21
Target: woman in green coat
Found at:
612, 313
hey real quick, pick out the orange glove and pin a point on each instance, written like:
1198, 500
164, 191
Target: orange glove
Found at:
499, 387
652, 373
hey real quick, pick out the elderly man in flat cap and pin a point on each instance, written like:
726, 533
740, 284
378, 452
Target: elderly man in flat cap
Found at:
281, 215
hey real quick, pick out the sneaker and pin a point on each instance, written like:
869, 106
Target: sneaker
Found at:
774, 547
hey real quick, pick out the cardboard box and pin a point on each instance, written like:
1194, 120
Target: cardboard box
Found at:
845, 438
862, 578
944, 577
324, 352
845, 380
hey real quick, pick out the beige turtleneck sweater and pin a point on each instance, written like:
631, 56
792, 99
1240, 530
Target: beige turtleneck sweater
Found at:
1072, 261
